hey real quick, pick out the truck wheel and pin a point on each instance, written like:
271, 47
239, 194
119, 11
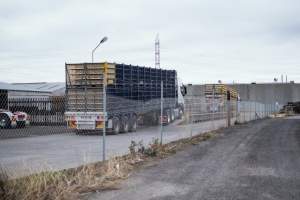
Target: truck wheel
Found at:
157, 118
116, 126
133, 124
125, 124
172, 115
180, 113
168, 116
4, 121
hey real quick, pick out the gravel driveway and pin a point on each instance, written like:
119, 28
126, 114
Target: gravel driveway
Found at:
258, 160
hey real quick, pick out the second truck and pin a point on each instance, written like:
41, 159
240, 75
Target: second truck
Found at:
133, 96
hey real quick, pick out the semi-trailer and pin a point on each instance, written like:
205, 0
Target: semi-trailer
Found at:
133, 96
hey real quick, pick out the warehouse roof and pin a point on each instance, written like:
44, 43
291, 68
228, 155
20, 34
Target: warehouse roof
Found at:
12, 87
49, 87
55, 88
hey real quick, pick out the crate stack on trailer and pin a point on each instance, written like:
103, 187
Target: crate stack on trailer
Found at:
133, 93
140, 87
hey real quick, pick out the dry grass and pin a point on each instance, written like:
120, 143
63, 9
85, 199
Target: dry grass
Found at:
66, 184
75, 183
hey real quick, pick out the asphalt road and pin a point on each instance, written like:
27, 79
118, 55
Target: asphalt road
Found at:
32, 131
26, 155
258, 160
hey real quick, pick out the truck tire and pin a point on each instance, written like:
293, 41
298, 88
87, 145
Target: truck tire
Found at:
4, 121
180, 115
115, 126
167, 117
125, 124
172, 115
157, 118
133, 123
169, 120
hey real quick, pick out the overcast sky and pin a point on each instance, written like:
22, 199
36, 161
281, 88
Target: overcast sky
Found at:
204, 40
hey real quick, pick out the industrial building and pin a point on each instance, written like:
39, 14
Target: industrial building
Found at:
37, 99
267, 93
10, 91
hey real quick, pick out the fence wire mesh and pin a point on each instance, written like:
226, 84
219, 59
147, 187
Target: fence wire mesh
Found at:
34, 136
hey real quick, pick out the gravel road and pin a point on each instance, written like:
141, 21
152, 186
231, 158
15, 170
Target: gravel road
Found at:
258, 160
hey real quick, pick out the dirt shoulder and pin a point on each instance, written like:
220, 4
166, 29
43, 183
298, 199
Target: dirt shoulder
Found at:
258, 160
76, 183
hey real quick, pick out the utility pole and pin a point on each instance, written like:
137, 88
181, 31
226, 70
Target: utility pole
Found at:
157, 52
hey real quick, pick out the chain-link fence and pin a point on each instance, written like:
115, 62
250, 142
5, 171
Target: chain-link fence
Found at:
35, 135
248, 111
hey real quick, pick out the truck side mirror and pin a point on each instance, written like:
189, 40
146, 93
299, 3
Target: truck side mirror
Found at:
183, 90
228, 95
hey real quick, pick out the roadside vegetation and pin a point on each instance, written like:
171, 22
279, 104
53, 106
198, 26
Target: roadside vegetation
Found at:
76, 183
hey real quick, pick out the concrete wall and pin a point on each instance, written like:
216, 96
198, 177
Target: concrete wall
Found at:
264, 93
195, 90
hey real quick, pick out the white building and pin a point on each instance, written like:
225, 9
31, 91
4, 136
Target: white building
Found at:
29, 91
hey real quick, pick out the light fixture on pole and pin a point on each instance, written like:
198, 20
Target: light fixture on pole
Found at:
102, 41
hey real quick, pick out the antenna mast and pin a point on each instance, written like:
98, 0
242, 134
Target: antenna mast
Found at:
157, 52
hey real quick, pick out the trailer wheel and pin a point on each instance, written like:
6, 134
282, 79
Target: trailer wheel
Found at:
116, 126
125, 124
133, 123
172, 115
166, 117
169, 116
180, 113
4, 121
157, 118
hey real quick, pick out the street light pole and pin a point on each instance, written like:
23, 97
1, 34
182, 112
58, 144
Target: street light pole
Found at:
102, 41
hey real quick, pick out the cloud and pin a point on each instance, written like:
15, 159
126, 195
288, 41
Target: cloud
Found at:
204, 40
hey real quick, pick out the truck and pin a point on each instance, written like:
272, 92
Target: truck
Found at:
16, 119
131, 96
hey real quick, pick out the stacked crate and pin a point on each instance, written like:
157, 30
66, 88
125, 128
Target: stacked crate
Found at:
84, 83
130, 89
220, 90
139, 88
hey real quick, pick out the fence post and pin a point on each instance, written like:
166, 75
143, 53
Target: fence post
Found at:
244, 111
228, 95
8, 107
252, 111
191, 118
213, 107
237, 112
255, 110
104, 113
228, 113
265, 110
161, 111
